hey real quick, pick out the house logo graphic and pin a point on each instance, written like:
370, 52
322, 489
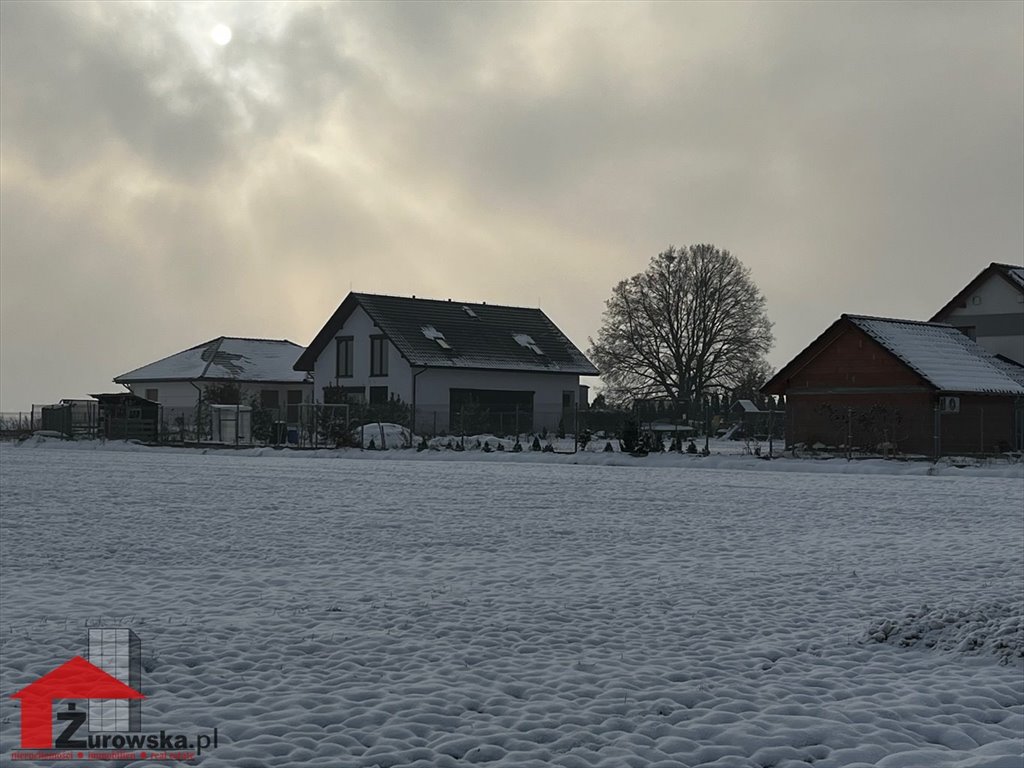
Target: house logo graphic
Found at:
110, 680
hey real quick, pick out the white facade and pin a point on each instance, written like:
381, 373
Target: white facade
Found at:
184, 397
993, 315
361, 329
553, 397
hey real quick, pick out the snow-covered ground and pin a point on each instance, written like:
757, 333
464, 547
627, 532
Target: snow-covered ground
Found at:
527, 610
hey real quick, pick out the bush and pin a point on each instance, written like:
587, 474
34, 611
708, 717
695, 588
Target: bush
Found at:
630, 438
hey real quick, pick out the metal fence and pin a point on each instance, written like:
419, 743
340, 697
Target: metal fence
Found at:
921, 430
315, 425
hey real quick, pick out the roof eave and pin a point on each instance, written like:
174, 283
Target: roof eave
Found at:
307, 360
455, 367
987, 272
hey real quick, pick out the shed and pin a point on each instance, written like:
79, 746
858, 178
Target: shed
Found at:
71, 417
885, 384
124, 416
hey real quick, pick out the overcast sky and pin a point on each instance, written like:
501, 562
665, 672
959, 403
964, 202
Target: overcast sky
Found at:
159, 189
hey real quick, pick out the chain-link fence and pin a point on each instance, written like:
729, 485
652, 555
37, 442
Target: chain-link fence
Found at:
319, 425
911, 430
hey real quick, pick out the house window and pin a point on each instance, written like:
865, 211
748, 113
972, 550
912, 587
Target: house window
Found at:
269, 399
153, 394
378, 356
344, 357
378, 395
134, 413
353, 395
294, 401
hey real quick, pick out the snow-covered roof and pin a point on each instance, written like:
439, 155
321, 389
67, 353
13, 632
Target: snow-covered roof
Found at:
1016, 275
225, 357
943, 356
746, 405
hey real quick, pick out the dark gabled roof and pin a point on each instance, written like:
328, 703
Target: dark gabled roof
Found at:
478, 336
939, 354
1011, 273
226, 357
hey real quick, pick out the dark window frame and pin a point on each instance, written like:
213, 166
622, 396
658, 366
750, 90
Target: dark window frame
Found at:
343, 363
292, 405
354, 394
378, 355
270, 399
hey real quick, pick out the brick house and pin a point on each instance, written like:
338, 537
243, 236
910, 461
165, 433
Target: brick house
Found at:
883, 384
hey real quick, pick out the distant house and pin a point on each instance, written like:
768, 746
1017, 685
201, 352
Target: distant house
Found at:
886, 384
742, 408
751, 421
990, 310
461, 366
262, 368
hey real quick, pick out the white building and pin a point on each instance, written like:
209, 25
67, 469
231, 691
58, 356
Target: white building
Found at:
990, 310
262, 368
460, 366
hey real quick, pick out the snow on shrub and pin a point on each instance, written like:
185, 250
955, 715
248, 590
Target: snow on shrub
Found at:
996, 628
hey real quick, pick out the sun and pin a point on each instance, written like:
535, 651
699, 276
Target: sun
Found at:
221, 34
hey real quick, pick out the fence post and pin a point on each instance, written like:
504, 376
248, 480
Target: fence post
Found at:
982, 410
849, 434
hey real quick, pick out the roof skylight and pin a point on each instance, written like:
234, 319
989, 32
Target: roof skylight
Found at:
525, 341
435, 335
469, 311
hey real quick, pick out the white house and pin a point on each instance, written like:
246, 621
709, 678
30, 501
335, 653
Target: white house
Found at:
263, 368
990, 310
506, 368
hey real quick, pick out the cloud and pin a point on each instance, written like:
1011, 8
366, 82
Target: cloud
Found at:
163, 190
75, 79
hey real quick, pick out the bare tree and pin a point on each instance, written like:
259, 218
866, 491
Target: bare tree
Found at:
747, 386
692, 322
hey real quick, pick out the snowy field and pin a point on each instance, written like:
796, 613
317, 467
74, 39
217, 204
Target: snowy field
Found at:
385, 612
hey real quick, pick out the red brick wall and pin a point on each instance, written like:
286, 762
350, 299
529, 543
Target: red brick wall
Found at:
904, 420
853, 359
853, 386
